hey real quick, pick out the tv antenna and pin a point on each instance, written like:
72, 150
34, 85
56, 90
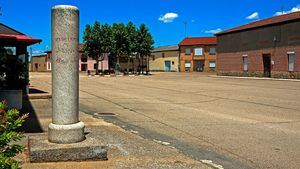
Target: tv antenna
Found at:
282, 10
185, 28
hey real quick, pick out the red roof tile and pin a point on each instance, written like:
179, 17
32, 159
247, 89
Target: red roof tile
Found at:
265, 22
20, 38
198, 41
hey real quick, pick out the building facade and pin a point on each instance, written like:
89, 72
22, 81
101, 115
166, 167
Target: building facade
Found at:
265, 48
39, 63
164, 59
198, 54
85, 63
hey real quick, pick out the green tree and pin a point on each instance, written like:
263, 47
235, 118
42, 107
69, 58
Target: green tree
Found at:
107, 41
132, 34
144, 44
120, 43
10, 121
92, 47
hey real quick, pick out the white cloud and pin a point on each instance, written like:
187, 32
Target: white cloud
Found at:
294, 9
213, 31
168, 17
36, 52
255, 15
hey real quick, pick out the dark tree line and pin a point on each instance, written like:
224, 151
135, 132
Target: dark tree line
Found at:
116, 41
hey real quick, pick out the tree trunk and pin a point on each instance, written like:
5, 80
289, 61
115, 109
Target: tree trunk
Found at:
133, 71
139, 67
142, 64
128, 62
97, 67
102, 66
118, 65
147, 69
102, 63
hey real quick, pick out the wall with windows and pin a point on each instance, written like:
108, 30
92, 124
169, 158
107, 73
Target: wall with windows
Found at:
281, 42
38, 64
198, 58
285, 62
160, 60
85, 63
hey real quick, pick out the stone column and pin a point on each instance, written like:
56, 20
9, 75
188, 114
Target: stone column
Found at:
65, 126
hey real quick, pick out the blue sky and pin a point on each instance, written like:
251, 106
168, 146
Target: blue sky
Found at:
165, 18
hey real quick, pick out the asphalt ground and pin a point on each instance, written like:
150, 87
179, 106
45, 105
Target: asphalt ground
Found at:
235, 123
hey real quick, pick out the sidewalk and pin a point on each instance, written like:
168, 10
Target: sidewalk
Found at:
255, 78
126, 150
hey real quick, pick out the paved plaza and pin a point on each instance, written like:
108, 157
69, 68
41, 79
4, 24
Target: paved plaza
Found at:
235, 123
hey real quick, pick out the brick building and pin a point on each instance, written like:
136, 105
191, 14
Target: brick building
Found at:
164, 59
268, 47
198, 54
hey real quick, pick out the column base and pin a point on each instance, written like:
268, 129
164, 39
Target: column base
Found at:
66, 134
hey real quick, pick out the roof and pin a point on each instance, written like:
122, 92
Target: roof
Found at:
198, 41
166, 48
9, 36
39, 55
265, 22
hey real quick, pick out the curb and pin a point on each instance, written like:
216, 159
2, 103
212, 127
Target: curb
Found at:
116, 76
39, 96
254, 78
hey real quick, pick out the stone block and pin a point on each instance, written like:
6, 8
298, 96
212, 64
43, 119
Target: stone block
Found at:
41, 150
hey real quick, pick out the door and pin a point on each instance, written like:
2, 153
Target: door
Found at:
83, 67
199, 66
167, 66
36, 67
267, 65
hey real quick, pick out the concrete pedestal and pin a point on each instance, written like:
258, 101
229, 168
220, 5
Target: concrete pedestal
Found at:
41, 150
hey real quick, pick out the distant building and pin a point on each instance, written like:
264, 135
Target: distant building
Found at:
164, 59
268, 47
85, 63
39, 63
198, 54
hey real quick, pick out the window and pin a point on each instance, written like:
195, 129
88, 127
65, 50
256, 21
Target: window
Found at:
173, 62
153, 57
198, 51
212, 64
84, 59
187, 51
212, 51
245, 63
187, 65
291, 61
163, 55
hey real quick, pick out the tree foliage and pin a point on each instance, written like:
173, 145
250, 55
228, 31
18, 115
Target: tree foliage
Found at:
119, 40
93, 43
10, 121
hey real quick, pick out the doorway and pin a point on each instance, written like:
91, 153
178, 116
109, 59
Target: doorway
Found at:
83, 67
36, 65
199, 66
267, 65
167, 66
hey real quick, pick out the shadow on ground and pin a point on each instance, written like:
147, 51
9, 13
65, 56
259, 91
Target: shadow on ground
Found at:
36, 91
31, 124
